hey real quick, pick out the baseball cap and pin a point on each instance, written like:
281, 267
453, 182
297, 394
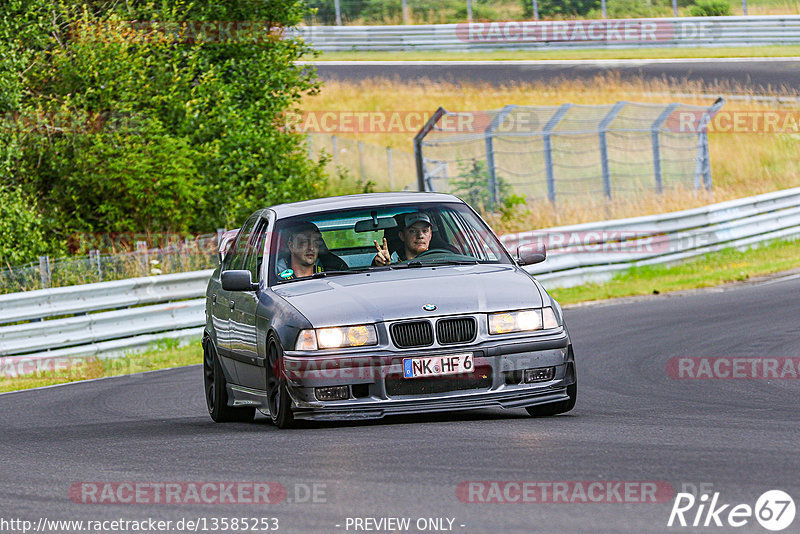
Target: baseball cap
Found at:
411, 218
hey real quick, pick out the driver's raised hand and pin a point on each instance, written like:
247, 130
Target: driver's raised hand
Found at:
383, 257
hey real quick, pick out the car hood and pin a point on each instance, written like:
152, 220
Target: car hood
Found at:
401, 294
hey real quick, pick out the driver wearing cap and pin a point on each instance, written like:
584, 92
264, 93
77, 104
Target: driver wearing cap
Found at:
416, 238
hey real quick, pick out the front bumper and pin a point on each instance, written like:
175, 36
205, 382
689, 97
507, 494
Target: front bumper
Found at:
378, 389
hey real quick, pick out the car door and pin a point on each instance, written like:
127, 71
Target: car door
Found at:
243, 322
225, 302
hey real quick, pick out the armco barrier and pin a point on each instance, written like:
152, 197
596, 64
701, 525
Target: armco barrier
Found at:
576, 34
172, 307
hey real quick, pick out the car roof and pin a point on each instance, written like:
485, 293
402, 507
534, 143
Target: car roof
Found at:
357, 201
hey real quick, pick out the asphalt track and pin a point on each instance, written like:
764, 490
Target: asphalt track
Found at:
758, 75
632, 423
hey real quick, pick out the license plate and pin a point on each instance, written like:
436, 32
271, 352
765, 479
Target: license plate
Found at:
447, 364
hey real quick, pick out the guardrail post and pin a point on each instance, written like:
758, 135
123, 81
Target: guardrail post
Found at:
389, 167
44, 271
494, 185
547, 141
603, 129
654, 135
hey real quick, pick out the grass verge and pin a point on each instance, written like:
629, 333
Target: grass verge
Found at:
519, 55
161, 356
717, 268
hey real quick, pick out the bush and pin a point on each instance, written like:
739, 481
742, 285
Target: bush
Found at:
560, 8
22, 238
128, 129
710, 8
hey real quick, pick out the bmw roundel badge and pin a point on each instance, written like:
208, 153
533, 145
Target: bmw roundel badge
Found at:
429, 307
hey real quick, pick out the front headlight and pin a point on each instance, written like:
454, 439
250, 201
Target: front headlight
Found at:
337, 338
522, 321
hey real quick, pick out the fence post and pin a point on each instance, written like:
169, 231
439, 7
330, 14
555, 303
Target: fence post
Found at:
744, 7
603, 9
535, 9
94, 257
361, 161
675, 8
338, 8
418, 157
548, 149
44, 271
469, 10
335, 152
405, 11
494, 185
703, 166
389, 166
654, 135
141, 251
603, 129
310, 147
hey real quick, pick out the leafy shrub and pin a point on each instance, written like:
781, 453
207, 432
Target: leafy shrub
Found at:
560, 8
22, 238
710, 8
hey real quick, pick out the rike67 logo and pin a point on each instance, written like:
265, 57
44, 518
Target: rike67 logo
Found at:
774, 510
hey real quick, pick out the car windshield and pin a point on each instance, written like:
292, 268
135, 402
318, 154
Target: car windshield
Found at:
343, 242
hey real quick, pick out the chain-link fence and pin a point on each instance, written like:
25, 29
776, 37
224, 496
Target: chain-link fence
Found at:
387, 168
373, 12
193, 254
551, 152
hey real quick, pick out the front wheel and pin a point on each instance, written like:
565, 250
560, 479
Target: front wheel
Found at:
216, 391
555, 408
279, 402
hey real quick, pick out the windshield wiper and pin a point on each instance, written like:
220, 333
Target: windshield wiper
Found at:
323, 274
418, 263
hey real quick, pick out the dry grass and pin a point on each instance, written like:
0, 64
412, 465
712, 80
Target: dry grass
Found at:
743, 164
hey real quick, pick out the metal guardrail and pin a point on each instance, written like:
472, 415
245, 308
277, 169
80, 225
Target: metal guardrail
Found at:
595, 252
602, 33
171, 307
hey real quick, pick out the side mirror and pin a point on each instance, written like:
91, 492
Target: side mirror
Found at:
532, 253
238, 281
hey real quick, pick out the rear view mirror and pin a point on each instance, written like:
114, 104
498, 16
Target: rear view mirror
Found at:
531, 253
378, 223
238, 281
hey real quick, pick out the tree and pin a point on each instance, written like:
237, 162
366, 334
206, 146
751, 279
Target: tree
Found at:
173, 123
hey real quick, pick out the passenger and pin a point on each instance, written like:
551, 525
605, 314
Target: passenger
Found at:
304, 241
415, 238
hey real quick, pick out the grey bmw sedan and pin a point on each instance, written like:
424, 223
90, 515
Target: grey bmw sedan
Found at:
364, 306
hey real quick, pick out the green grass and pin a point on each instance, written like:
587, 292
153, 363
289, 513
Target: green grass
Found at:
163, 355
500, 55
714, 269
725, 266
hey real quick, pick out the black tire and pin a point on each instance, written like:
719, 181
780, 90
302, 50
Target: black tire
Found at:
216, 392
278, 400
555, 408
